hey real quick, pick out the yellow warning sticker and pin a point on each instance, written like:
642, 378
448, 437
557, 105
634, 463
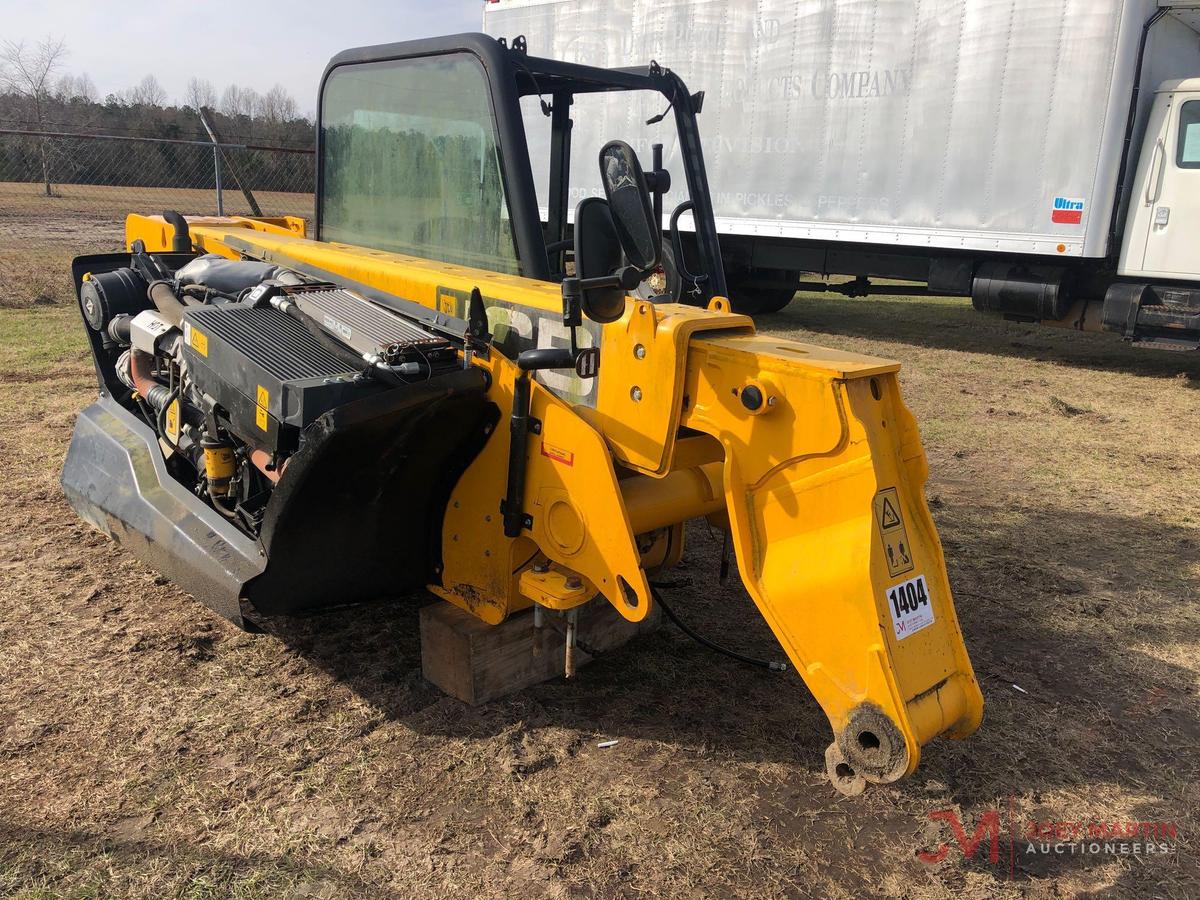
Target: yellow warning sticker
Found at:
172, 422
199, 340
447, 304
897, 551
262, 398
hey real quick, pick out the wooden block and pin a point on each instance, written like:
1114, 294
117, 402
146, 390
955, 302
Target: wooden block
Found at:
477, 662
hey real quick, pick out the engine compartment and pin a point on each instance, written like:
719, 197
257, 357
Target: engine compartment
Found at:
234, 364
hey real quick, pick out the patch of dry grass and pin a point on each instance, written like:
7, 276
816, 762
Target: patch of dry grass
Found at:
40, 235
148, 749
111, 203
36, 253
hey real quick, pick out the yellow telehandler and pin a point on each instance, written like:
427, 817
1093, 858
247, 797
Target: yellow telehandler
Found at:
446, 388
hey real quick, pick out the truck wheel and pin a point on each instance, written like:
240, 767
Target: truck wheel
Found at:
664, 283
759, 301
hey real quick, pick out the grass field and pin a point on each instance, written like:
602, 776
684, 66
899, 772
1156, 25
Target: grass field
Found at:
149, 749
110, 203
37, 232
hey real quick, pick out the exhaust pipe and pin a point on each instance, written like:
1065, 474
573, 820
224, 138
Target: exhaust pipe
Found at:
182, 241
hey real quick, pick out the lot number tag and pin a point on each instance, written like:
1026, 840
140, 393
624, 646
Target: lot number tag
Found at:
909, 604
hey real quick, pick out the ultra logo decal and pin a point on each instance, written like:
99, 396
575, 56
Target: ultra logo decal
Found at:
1068, 210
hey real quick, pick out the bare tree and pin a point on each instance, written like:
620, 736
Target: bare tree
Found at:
239, 101
200, 93
85, 88
147, 92
28, 72
277, 106
76, 87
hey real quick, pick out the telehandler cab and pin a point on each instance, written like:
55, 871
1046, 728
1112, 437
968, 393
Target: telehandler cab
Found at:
443, 390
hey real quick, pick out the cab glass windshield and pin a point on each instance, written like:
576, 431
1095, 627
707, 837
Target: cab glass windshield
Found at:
410, 164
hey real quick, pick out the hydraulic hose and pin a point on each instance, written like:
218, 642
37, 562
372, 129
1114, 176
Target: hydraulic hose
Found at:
139, 372
717, 648
133, 371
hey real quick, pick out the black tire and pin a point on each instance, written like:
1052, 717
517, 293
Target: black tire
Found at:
760, 301
669, 283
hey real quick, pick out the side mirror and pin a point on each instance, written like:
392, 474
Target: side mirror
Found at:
629, 199
597, 259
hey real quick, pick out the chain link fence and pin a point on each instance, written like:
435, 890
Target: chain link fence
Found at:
64, 194
45, 175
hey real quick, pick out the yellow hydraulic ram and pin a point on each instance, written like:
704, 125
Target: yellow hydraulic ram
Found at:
810, 454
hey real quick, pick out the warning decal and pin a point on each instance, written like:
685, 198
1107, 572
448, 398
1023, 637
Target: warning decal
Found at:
897, 551
195, 338
199, 341
889, 518
172, 422
558, 454
263, 399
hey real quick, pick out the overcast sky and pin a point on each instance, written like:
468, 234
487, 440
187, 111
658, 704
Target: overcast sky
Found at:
252, 43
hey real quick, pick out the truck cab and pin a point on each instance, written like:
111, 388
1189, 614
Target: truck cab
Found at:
1163, 216
1155, 299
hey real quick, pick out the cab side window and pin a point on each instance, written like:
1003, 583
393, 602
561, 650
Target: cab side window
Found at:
1187, 152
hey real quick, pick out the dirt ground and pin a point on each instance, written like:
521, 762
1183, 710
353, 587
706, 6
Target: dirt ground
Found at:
147, 748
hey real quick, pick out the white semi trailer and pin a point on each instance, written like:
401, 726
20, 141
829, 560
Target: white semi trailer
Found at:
1040, 156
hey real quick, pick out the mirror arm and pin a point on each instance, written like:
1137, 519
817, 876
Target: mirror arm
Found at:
626, 277
586, 362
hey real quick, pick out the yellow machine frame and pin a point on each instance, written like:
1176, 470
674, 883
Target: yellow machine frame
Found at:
809, 457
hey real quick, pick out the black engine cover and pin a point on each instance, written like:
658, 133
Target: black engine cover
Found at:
267, 371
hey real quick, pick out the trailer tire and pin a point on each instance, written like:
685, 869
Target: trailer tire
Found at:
760, 301
666, 283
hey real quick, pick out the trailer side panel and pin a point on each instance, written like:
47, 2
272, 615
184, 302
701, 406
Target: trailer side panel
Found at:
988, 125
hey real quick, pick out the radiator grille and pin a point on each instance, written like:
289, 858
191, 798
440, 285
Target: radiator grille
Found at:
272, 339
369, 323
